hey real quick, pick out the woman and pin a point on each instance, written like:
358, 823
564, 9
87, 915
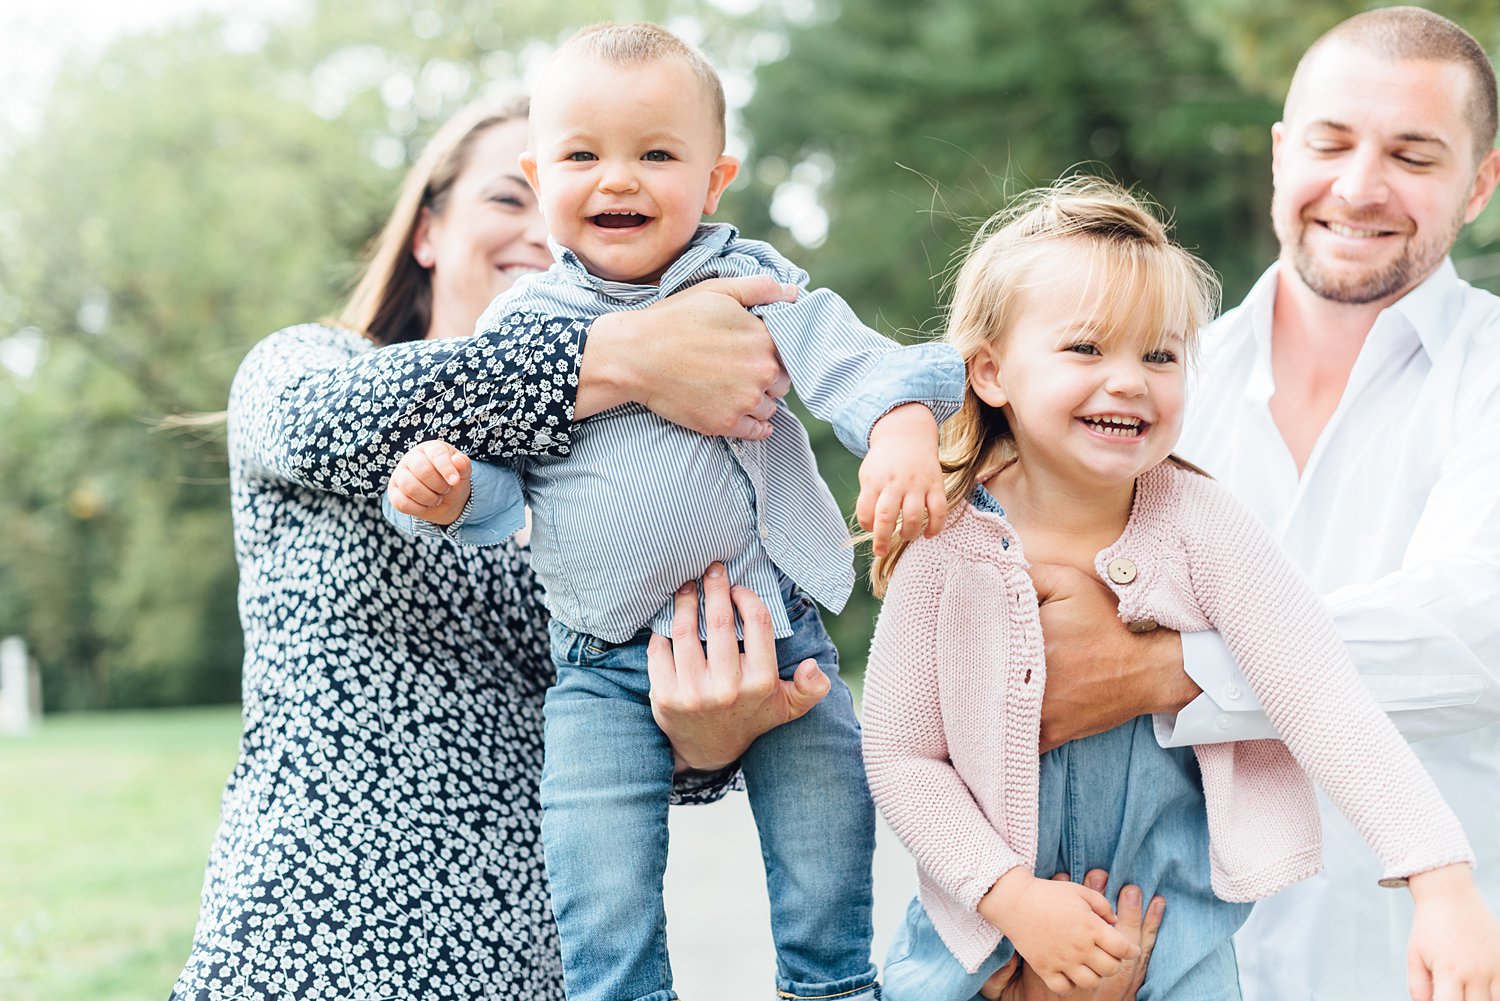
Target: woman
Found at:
379, 833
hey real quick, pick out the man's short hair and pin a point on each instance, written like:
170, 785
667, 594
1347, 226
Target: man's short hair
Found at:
643, 42
1413, 33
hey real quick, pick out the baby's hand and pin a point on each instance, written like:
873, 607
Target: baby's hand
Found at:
1065, 932
431, 482
901, 479
1455, 941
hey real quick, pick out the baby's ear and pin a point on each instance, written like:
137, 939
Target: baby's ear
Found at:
984, 377
527, 160
725, 170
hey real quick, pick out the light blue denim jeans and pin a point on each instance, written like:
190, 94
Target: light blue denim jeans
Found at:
605, 785
1117, 801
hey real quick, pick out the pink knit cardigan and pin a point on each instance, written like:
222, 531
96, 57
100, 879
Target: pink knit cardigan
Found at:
953, 694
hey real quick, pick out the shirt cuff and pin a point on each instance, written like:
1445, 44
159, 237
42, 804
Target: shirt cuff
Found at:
1228, 709
496, 508
930, 374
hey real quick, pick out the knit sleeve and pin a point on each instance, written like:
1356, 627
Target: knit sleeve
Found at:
320, 408
912, 779
1280, 633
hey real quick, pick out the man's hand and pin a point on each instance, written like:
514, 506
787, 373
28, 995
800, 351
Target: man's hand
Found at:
431, 482
713, 707
1015, 981
900, 481
696, 358
1099, 673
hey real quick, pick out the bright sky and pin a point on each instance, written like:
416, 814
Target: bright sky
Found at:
35, 37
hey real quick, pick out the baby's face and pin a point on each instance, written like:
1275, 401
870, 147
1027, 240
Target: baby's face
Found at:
625, 160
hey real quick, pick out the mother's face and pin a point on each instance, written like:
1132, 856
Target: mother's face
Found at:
489, 233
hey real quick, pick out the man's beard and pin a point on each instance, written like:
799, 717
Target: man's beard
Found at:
1416, 261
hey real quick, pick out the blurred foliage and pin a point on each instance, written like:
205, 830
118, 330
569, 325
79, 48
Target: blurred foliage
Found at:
190, 190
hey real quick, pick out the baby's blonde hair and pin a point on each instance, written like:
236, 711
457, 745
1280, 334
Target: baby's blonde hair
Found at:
643, 42
1102, 247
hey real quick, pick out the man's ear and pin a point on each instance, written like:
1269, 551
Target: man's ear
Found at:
984, 377
1485, 180
527, 160
1278, 133
725, 170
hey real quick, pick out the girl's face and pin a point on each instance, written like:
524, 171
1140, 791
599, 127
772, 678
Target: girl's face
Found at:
1096, 407
489, 233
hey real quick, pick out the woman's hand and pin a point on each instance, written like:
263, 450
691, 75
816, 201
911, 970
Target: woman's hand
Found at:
696, 358
713, 706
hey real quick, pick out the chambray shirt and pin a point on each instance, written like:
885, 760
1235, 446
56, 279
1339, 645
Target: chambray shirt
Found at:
639, 505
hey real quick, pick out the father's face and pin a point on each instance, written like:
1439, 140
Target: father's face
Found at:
1374, 173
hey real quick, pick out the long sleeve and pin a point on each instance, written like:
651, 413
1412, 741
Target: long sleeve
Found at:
310, 406
912, 778
1277, 629
846, 373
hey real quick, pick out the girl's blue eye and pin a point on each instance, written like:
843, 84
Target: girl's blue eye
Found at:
1162, 357
657, 156
1083, 348
581, 157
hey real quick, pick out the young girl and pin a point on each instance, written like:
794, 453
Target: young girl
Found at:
1075, 315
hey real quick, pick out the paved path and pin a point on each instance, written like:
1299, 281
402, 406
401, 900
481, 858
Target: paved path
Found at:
718, 923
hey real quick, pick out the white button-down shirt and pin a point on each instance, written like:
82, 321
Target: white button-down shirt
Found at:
1396, 519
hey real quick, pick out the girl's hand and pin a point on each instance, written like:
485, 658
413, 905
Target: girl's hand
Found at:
900, 481
1454, 954
1065, 932
1017, 981
431, 482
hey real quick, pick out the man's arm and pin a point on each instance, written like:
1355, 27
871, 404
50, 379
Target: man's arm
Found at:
1099, 674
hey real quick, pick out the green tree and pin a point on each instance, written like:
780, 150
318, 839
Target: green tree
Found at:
186, 193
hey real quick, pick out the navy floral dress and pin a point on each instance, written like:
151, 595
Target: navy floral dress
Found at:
379, 834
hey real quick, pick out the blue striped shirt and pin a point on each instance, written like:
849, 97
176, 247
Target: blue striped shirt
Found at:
639, 505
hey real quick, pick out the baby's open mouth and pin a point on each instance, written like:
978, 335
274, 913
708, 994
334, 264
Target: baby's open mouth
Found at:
1120, 427
619, 220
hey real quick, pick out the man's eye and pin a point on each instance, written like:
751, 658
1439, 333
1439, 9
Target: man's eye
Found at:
657, 156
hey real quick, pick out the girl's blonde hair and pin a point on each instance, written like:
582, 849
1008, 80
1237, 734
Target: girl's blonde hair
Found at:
1100, 246
393, 300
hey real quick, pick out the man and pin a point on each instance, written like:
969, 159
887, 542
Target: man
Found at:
1353, 401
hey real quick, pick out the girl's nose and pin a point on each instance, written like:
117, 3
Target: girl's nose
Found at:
1126, 379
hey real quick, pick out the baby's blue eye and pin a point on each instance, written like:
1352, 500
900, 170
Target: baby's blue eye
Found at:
657, 156
581, 157
1162, 357
1083, 348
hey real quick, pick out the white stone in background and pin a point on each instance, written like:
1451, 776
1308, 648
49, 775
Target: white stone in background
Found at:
19, 692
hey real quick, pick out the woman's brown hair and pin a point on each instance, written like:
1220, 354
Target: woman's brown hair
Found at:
393, 300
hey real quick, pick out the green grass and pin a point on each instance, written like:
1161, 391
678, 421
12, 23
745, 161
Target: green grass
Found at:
105, 825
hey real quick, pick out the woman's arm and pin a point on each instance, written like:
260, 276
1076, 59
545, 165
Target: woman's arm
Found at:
308, 405
696, 358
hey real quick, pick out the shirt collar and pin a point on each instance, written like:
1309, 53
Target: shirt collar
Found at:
1424, 310
708, 242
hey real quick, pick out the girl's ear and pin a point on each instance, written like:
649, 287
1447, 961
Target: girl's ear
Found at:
984, 377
